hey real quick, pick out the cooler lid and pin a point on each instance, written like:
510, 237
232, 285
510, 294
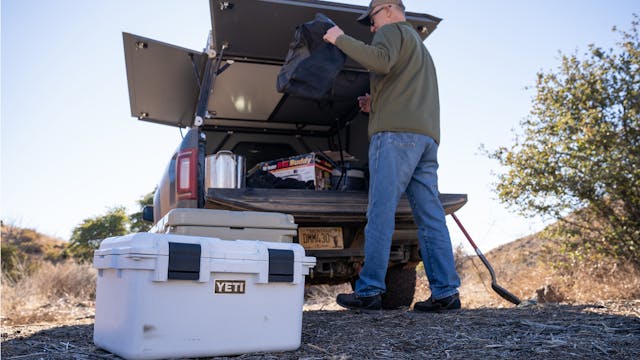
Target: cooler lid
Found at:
226, 218
212, 248
180, 257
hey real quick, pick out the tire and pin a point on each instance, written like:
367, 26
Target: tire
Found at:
401, 286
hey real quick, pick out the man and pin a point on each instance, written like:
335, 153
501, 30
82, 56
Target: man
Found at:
404, 129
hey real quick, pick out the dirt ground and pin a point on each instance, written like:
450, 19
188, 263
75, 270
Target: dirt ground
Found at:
607, 330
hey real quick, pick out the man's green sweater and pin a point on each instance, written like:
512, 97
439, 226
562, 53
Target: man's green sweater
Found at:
404, 87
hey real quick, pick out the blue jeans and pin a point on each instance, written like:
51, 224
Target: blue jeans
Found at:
398, 163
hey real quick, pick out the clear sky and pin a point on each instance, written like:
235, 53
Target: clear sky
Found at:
70, 149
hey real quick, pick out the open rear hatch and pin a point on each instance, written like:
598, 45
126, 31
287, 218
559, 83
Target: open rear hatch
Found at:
164, 80
263, 29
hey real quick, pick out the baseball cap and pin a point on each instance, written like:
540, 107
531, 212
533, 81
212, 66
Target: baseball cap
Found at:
364, 19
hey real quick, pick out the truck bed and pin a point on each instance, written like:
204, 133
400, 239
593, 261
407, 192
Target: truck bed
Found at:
314, 205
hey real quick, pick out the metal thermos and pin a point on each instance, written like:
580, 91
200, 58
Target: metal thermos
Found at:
224, 170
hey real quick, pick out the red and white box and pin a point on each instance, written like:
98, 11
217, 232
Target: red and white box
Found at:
305, 167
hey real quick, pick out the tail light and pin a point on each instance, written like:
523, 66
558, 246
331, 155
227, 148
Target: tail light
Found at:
187, 178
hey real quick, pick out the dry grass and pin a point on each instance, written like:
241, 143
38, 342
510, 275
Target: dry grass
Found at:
321, 297
527, 268
66, 287
604, 281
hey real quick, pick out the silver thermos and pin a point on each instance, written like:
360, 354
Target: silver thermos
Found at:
224, 170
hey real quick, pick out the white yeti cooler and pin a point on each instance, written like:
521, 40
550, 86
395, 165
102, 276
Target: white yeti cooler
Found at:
165, 295
228, 225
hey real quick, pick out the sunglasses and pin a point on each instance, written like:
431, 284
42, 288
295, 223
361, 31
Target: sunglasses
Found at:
376, 13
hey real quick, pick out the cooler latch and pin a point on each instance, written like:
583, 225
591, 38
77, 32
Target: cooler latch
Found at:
184, 261
280, 265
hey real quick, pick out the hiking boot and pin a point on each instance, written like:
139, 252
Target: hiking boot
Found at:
449, 303
362, 303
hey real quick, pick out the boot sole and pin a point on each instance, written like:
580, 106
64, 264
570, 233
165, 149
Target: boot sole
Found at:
362, 310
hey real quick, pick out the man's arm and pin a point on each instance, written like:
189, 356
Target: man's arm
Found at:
377, 57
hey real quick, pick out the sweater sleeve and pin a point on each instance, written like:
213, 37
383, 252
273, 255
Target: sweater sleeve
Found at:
378, 57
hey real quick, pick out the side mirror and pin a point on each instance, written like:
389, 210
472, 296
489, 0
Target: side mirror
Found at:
147, 213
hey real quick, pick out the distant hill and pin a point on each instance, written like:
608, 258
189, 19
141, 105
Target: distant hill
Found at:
22, 248
31, 242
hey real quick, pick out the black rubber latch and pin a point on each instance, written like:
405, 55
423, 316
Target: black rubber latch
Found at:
184, 261
280, 265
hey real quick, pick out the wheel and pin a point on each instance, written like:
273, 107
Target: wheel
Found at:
401, 286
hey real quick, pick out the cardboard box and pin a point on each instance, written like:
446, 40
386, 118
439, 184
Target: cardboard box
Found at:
305, 167
173, 296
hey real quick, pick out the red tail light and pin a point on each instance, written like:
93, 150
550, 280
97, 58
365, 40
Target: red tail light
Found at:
186, 170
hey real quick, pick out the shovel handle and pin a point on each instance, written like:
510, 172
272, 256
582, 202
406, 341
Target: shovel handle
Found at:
464, 231
504, 293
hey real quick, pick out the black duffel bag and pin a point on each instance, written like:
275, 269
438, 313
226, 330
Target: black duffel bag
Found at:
311, 64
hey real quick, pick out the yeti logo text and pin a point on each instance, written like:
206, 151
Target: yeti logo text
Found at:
229, 287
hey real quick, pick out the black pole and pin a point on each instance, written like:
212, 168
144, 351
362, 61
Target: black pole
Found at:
208, 79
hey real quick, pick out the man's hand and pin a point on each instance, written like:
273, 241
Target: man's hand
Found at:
332, 34
365, 103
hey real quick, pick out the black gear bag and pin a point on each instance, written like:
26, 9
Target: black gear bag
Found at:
311, 64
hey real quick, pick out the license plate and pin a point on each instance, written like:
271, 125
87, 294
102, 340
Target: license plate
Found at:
321, 238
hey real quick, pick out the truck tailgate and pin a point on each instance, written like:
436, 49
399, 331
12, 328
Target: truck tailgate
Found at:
312, 204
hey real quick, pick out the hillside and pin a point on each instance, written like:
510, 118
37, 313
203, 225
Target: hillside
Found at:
39, 283
31, 242
534, 268
23, 249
